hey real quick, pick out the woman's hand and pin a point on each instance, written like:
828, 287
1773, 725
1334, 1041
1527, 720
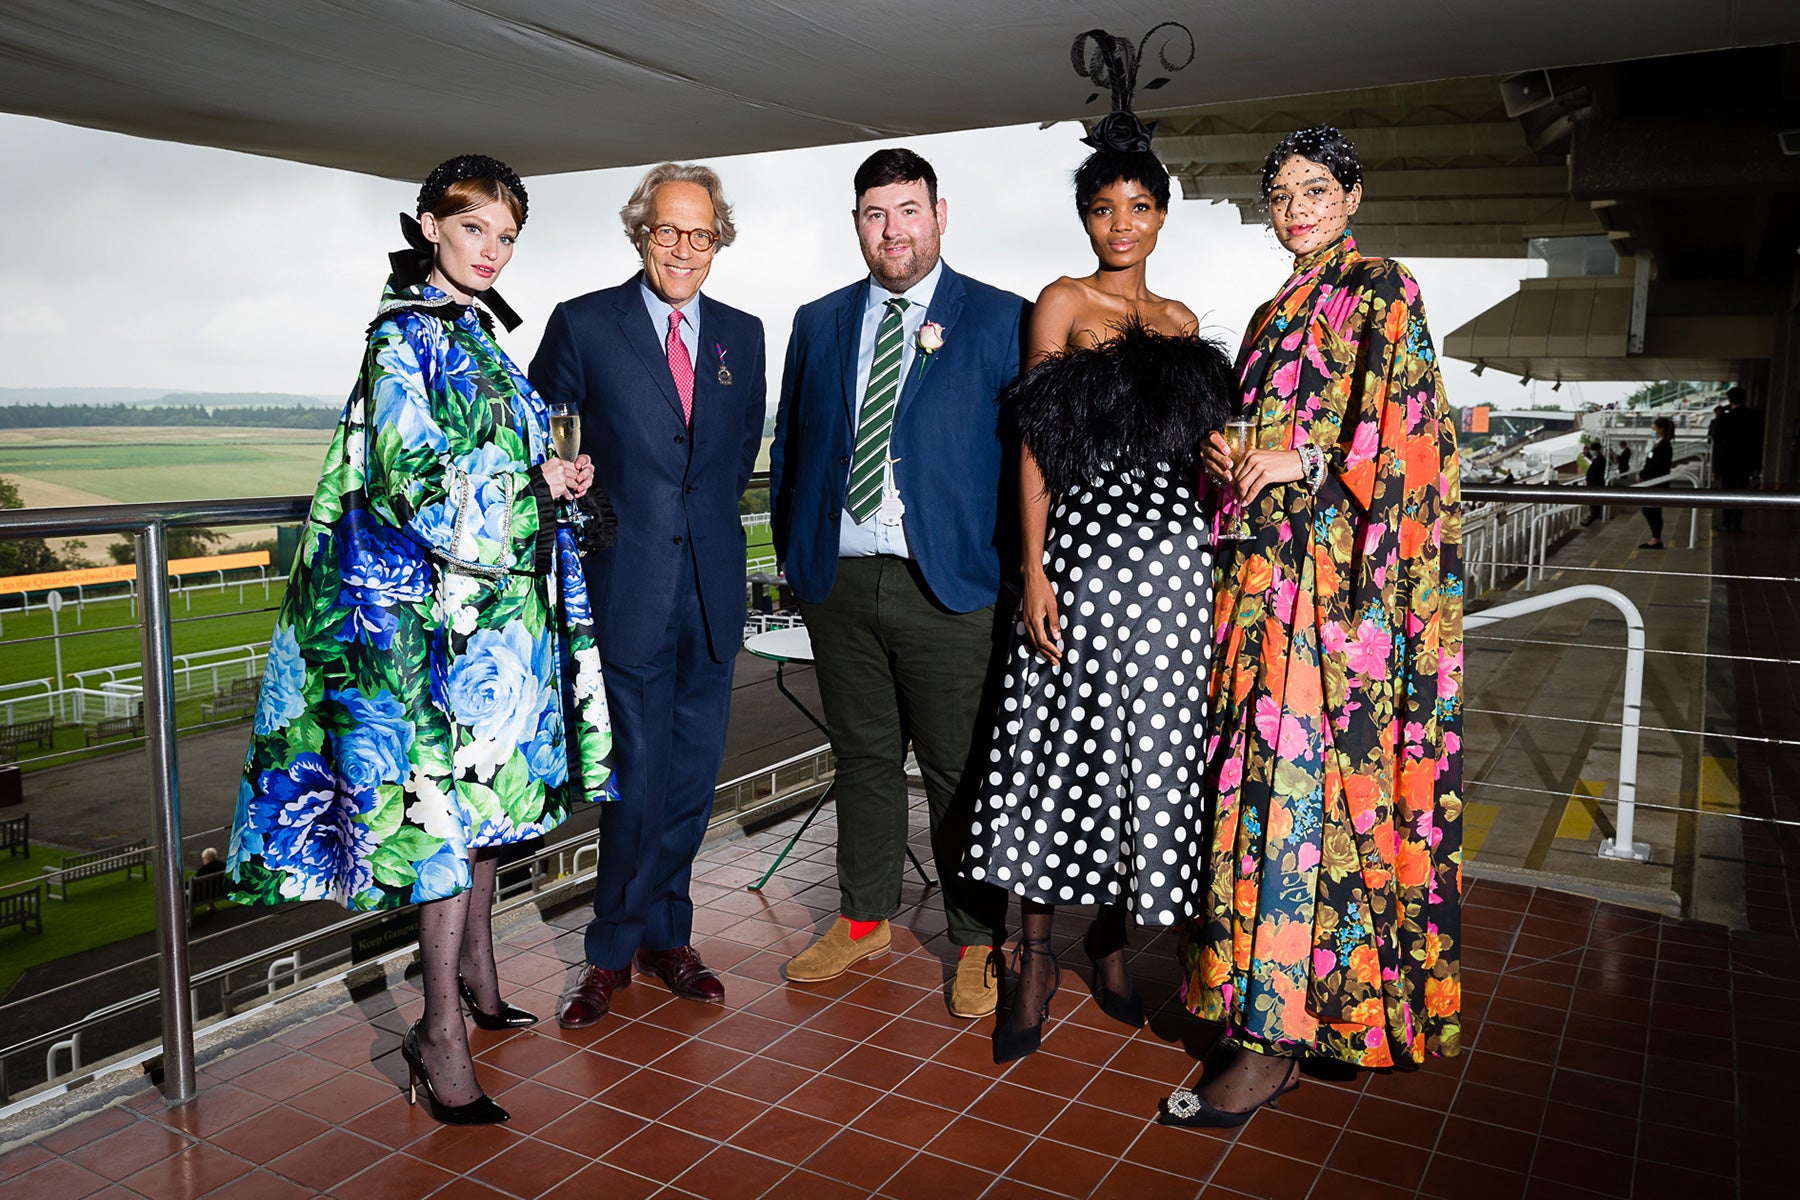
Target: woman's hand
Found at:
568, 480
1038, 610
1215, 456
1264, 468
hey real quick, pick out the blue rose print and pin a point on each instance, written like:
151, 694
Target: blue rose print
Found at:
283, 695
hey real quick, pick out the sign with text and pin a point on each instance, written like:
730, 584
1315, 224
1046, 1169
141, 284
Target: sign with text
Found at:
177, 566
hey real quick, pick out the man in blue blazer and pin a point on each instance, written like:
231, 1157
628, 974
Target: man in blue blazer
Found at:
671, 388
885, 479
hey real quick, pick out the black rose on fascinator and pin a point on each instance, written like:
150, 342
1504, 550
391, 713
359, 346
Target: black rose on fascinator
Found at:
412, 266
1112, 63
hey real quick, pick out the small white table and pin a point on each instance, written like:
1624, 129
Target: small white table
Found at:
794, 645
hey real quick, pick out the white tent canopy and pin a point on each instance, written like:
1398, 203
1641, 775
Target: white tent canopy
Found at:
390, 87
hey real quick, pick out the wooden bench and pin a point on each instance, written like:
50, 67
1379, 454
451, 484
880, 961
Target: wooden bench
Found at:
23, 908
206, 889
41, 732
15, 836
112, 727
238, 698
130, 857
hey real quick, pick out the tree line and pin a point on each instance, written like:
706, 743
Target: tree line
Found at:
40, 416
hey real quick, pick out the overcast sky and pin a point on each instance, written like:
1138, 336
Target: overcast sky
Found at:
135, 263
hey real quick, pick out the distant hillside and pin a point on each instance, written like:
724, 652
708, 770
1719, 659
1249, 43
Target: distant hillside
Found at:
158, 396
66, 416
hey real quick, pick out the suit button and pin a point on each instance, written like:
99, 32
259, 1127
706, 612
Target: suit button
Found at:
843, 460
688, 490
678, 539
679, 438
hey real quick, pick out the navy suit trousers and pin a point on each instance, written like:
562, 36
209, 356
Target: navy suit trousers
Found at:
668, 717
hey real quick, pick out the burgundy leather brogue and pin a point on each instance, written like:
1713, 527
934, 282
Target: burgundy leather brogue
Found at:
590, 997
683, 972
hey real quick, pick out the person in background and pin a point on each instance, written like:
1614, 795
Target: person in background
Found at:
1657, 465
1596, 477
1737, 441
432, 690
670, 385
210, 863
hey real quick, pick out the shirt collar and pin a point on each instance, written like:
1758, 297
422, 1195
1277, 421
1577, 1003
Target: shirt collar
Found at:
917, 297
660, 308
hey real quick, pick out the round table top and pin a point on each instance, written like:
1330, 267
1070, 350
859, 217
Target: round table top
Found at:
783, 645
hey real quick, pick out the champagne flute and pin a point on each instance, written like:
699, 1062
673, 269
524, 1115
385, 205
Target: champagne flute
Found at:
565, 435
1240, 436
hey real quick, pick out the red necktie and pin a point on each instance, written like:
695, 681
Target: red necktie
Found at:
681, 366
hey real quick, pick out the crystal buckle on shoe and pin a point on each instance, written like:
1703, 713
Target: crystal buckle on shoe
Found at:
1182, 1104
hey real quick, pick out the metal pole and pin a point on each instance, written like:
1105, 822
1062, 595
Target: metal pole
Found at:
159, 736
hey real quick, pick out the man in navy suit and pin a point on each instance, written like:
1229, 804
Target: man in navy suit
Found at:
671, 388
885, 479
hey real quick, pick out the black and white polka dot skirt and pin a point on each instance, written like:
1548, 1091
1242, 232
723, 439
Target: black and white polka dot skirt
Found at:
1093, 791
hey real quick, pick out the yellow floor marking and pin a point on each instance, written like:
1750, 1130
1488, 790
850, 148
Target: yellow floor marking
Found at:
1718, 784
1477, 820
1578, 811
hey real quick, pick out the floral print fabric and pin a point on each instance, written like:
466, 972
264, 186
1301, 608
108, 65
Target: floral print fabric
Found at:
432, 685
1332, 923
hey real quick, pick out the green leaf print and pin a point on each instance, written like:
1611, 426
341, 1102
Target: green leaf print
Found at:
517, 795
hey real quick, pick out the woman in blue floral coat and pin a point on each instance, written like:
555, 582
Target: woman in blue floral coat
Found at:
432, 688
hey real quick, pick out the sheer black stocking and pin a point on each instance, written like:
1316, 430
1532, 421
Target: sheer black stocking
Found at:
1249, 1080
1106, 946
1036, 967
443, 1038
476, 961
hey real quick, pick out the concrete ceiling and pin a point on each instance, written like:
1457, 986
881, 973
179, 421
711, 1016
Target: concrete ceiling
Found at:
390, 87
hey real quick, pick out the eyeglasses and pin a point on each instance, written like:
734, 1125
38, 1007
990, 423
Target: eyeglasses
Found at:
701, 240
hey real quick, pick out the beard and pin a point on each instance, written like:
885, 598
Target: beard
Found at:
899, 274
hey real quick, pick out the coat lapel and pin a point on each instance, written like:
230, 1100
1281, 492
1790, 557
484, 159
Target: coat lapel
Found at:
946, 307
634, 324
849, 337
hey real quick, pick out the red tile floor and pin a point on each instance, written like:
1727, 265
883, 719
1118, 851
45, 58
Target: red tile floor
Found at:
1610, 1053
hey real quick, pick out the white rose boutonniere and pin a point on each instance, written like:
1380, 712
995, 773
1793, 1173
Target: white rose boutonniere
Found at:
931, 338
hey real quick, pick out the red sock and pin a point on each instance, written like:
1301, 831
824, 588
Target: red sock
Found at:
862, 929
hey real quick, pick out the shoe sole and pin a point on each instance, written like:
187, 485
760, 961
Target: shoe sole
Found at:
989, 1011
871, 956
648, 975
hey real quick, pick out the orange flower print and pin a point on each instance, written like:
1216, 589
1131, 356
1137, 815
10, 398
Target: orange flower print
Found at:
1443, 997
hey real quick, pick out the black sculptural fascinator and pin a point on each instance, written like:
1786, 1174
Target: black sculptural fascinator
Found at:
1112, 63
412, 266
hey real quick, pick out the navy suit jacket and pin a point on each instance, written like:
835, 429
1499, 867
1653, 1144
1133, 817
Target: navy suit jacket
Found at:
946, 440
673, 492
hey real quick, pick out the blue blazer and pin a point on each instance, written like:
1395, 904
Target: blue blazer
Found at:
946, 439
674, 493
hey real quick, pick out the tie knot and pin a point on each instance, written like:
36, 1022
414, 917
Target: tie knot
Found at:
674, 318
897, 304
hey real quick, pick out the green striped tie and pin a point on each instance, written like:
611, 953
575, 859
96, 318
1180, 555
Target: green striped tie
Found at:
875, 430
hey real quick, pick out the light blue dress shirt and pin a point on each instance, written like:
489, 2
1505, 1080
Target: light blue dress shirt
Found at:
690, 323
871, 537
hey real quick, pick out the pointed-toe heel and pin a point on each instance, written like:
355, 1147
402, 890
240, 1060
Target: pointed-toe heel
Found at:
1012, 1043
480, 1111
508, 1017
1189, 1110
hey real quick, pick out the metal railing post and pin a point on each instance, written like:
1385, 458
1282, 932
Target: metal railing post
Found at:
165, 827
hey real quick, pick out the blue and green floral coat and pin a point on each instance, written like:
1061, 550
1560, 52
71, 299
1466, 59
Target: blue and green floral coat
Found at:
432, 685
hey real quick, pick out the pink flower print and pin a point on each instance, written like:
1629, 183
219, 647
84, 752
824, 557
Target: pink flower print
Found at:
1287, 593
1292, 340
1324, 962
1231, 775
1372, 1039
1369, 650
1331, 637
1248, 866
1286, 377
1307, 857
1268, 719
1335, 312
1372, 537
1452, 742
1410, 289
1415, 734
1415, 410
1364, 442
1293, 738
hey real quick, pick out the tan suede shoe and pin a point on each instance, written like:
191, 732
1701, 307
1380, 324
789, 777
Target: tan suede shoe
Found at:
976, 990
837, 951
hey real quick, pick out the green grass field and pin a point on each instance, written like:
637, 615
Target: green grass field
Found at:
132, 465
98, 912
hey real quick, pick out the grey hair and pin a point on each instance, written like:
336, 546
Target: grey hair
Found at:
635, 216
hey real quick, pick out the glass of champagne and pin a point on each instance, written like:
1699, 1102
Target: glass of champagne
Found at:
1240, 436
565, 435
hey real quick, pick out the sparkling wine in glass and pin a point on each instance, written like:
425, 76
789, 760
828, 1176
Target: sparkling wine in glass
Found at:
1240, 435
565, 435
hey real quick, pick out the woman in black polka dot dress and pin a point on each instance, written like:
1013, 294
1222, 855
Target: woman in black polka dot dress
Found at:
1093, 790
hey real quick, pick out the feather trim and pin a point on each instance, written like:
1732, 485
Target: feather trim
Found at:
1131, 402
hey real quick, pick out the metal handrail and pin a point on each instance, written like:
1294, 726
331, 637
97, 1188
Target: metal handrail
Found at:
148, 525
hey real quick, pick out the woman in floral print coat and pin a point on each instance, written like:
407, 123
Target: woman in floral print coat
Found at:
432, 689
1331, 929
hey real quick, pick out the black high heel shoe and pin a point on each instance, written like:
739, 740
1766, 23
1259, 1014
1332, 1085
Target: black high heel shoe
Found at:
479, 1111
1127, 1009
1010, 1043
507, 1018
1189, 1110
